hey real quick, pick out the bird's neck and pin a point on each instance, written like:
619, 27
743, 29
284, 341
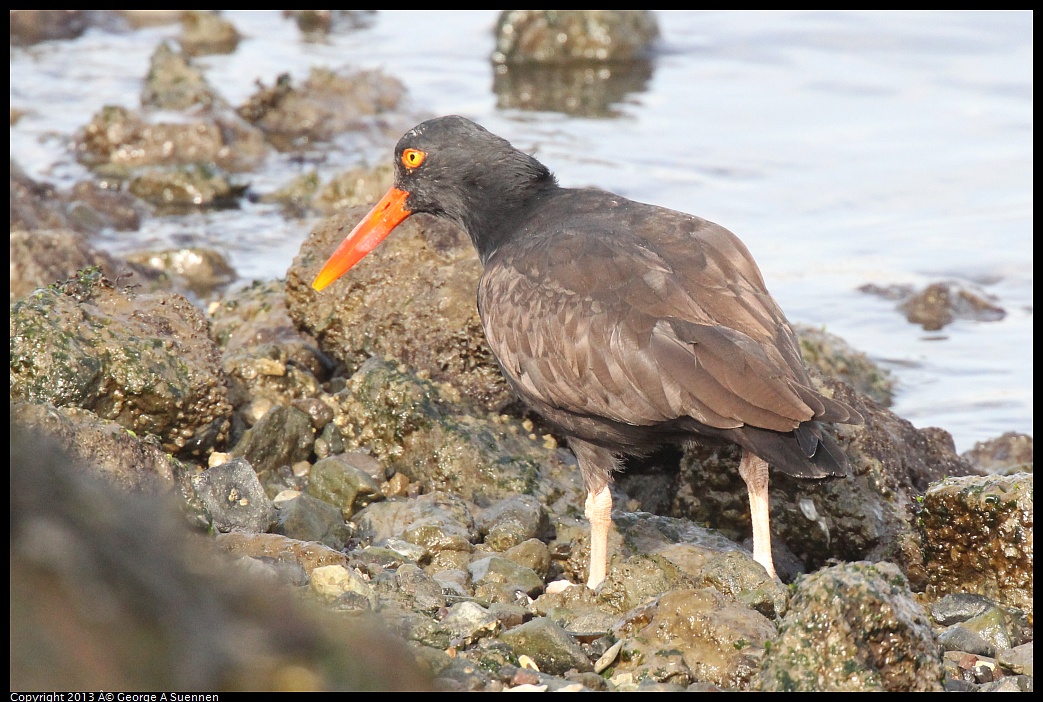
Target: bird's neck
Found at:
503, 219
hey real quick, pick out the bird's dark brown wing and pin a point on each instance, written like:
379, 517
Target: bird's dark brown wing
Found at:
605, 324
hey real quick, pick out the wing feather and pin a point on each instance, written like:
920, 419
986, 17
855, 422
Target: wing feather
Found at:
601, 323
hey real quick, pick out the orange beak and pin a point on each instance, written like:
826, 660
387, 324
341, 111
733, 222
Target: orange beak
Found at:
384, 217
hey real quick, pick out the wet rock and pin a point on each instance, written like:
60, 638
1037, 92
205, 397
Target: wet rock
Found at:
413, 300
977, 534
33, 26
318, 23
184, 187
307, 518
637, 580
578, 608
592, 89
834, 358
45, 257
328, 103
969, 671
339, 481
736, 575
234, 498
307, 555
579, 62
556, 36
435, 522
321, 415
410, 424
960, 638
93, 206
343, 588
174, 83
410, 588
267, 360
1018, 660
118, 140
34, 205
206, 32
959, 607
1000, 627
511, 521
441, 529
498, 579
143, 361
692, 635
550, 646
1017, 683
942, 303
531, 554
140, 19
468, 622
1006, 454
103, 447
283, 437
452, 673
88, 207
200, 270
456, 584
372, 560
106, 588
357, 187
878, 637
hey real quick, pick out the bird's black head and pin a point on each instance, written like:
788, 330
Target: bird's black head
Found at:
450, 167
454, 168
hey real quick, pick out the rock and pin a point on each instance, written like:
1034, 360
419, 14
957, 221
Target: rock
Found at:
339, 481
468, 622
206, 32
107, 587
343, 588
562, 36
283, 437
512, 520
118, 140
326, 104
234, 498
103, 447
693, 635
977, 534
958, 607
307, 518
496, 579
143, 361
173, 83
1006, 454
200, 270
878, 636
1018, 660
941, 303
550, 646
864, 516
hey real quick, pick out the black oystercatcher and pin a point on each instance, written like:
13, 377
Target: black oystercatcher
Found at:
623, 324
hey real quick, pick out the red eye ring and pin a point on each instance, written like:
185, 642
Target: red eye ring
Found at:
412, 158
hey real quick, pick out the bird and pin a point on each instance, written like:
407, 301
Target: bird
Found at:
625, 325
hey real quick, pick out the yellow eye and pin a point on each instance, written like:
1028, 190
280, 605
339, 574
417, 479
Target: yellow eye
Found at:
411, 158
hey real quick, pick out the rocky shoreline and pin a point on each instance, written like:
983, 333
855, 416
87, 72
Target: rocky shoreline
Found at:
294, 490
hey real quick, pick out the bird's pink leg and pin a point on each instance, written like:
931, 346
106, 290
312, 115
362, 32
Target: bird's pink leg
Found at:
754, 471
597, 465
598, 509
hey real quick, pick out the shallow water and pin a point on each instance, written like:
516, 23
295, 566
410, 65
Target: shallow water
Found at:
844, 148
